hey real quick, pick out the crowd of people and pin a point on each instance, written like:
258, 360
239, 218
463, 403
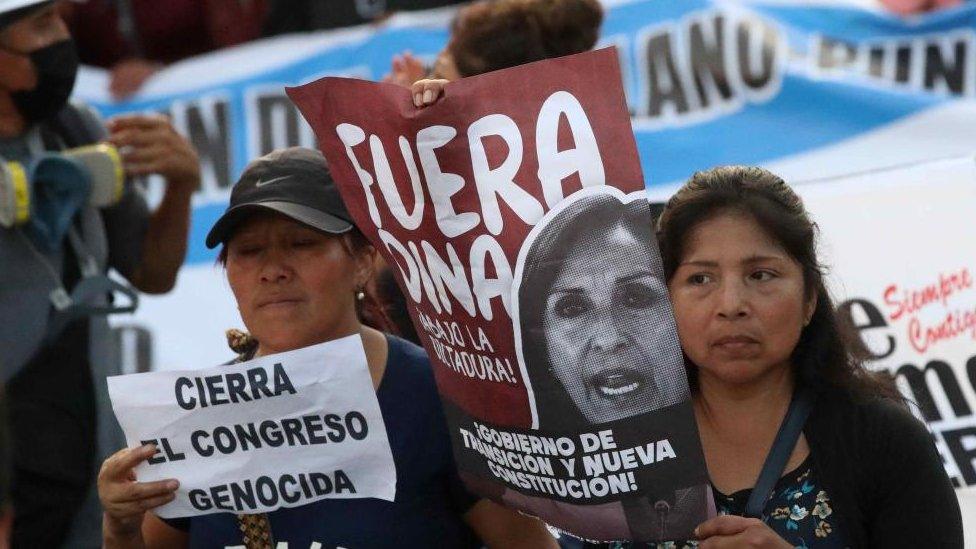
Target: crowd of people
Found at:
134, 39
738, 263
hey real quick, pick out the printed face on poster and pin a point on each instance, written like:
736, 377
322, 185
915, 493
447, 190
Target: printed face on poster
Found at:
277, 431
512, 213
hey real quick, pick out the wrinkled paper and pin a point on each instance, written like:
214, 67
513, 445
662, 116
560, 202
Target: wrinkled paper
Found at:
277, 431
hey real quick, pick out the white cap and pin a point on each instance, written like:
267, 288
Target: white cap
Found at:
11, 5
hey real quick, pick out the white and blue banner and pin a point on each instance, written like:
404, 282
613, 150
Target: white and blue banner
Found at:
811, 90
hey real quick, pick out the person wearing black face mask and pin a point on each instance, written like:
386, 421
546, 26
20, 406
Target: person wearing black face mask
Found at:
37, 69
55, 67
55, 367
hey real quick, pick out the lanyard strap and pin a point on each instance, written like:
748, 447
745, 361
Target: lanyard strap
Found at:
87, 265
82, 301
779, 454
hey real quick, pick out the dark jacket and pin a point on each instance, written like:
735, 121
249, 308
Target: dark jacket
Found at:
881, 469
885, 479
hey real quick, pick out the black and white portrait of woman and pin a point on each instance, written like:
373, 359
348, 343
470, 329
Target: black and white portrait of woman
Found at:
596, 338
593, 319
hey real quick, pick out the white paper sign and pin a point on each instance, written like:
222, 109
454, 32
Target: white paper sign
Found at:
278, 431
901, 248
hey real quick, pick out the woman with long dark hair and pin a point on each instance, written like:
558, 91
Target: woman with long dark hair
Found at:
764, 347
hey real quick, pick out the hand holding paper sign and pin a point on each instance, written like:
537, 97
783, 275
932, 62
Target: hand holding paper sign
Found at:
428, 91
126, 500
252, 437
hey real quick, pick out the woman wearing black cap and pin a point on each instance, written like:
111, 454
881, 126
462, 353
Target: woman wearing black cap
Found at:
298, 269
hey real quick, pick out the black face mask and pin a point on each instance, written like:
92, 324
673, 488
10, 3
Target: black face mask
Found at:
56, 66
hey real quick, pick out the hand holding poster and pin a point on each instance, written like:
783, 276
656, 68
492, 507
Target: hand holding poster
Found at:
512, 213
277, 431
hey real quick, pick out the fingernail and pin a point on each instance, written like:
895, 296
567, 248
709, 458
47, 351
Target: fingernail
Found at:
172, 485
428, 96
416, 100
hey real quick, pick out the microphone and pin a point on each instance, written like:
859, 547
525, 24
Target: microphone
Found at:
663, 508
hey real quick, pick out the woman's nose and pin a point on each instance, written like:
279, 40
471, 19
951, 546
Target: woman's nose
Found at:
608, 334
275, 267
732, 300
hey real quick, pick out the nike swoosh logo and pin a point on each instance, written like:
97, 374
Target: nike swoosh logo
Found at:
270, 181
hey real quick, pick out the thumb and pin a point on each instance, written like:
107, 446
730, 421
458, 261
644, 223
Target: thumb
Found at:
18, 72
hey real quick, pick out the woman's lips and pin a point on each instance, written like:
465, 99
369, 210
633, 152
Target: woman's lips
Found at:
735, 342
278, 303
618, 383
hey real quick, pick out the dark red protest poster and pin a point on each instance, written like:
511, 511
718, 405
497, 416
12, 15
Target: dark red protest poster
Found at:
513, 215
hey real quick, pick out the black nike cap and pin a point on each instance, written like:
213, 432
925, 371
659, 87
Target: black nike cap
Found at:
294, 182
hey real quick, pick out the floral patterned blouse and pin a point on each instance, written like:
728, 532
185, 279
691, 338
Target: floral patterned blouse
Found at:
798, 509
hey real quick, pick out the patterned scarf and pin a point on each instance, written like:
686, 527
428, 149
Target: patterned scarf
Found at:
256, 529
